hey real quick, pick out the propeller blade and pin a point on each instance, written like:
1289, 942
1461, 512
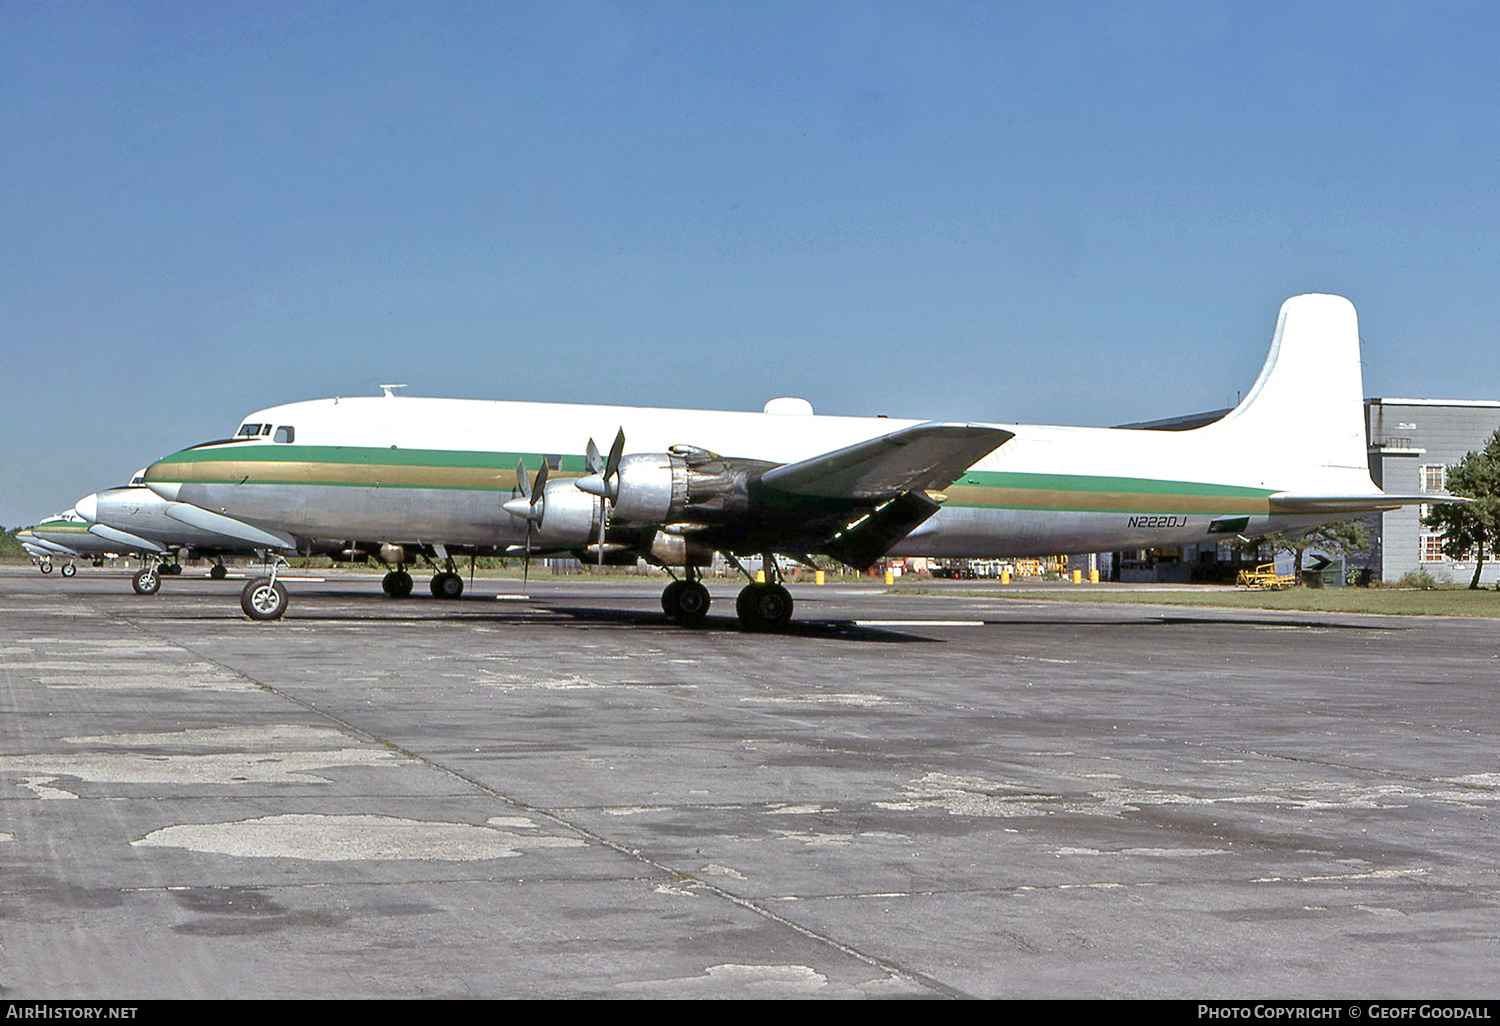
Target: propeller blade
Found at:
539, 495
593, 460
523, 483
612, 465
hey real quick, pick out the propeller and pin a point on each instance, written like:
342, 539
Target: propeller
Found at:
528, 502
604, 481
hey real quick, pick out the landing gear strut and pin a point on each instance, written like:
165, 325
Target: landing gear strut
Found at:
686, 601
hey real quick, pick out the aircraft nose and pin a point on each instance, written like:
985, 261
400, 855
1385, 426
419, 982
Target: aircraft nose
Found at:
166, 489
88, 507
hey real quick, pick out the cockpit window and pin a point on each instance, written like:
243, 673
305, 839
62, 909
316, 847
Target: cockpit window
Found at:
250, 430
285, 433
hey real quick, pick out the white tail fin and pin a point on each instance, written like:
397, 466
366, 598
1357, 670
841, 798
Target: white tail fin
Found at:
1307, 406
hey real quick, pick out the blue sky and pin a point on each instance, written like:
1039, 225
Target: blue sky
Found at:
1039, 212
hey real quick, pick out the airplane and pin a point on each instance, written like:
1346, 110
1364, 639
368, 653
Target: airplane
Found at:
139, 520
68, 535
1290, 456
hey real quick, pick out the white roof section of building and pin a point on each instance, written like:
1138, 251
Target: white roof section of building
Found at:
1483, 403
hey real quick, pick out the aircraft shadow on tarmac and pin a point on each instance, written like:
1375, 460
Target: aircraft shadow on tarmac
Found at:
544, 615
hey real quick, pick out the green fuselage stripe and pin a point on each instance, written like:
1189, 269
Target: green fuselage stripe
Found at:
363, 467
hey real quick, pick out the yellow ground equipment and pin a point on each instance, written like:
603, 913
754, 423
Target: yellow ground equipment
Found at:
1264, 577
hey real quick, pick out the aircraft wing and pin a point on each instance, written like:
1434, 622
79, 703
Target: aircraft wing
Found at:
1374, 503
926, 456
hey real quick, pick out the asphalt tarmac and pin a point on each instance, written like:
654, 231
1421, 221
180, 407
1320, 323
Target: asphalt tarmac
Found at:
564, 796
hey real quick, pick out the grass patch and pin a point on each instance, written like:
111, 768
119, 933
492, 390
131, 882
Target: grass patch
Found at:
1389, 601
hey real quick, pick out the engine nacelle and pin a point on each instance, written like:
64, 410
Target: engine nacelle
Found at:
570, 518
676, 550
652, 488
684, 483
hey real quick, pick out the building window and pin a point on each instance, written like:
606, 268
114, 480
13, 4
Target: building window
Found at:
1432, 548
1433, 477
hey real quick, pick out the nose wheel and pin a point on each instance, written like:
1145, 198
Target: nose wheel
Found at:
146, 581
264, 599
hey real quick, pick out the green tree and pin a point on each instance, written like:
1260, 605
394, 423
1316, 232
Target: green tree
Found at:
8, 544
1471, 530
1338, 539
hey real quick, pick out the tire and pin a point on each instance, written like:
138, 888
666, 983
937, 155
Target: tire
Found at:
172, 569
396, 584
146, 582
69, 570
764, 607
45, 566
218, 572
685, 602
447, 586
262, 600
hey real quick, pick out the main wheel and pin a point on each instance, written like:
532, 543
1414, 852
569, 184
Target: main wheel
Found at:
447, 585
146, 582
397, 584
764, 607
262, 600
45, 566
685, 602
172, 569
218, 572
69, 570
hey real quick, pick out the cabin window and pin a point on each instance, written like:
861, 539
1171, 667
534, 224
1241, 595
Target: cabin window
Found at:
285, 433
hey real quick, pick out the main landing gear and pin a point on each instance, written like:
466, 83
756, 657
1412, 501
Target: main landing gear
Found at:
446, 584
68, 569
761, 605
686, 601
397, 584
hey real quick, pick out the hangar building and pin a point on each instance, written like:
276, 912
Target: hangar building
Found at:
1413, 442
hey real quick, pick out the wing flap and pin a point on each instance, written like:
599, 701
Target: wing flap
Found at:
925, 456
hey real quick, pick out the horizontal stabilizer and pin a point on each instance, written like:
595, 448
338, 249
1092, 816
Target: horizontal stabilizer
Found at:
926, 456
134, 542
206, 520
1377, 502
